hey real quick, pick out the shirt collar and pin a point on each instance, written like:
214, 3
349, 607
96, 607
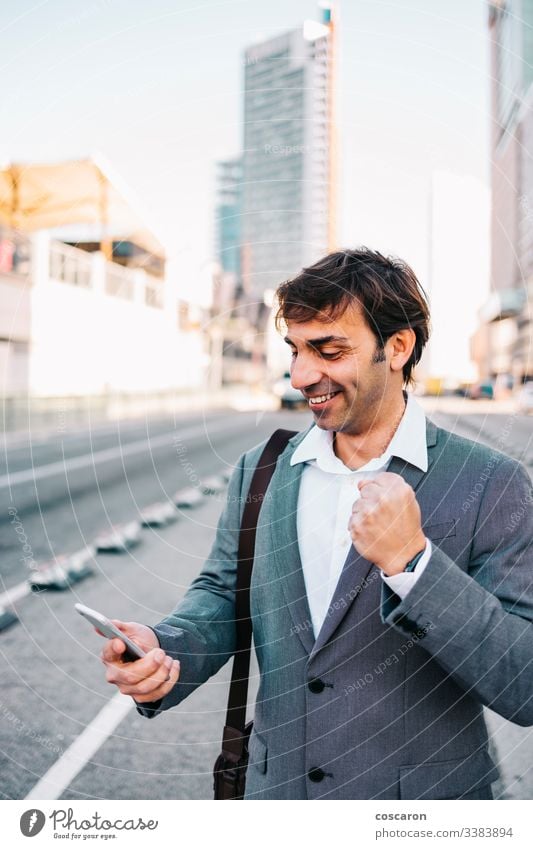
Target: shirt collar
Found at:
408, 443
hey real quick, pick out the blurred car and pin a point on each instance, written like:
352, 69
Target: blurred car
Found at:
525, 398
479, 391
289, 398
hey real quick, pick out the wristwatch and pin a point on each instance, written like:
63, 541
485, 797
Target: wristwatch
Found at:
412, 563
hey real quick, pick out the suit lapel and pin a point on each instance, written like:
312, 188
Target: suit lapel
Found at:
358, 573
355, 576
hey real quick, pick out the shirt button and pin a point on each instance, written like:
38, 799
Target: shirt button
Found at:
316, 774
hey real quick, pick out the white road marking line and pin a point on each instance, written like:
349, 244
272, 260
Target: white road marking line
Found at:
105, 455
77, 756
14, 594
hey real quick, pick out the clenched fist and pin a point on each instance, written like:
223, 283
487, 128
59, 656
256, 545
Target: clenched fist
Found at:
386, 523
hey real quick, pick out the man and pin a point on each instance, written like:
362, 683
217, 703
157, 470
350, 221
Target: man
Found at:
391, 594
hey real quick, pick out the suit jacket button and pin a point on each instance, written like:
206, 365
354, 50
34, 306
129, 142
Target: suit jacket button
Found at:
316, 685
316, 774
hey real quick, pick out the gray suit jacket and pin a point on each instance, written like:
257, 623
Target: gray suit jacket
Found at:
386, 702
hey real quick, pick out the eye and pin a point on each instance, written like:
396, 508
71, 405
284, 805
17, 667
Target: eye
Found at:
331, 356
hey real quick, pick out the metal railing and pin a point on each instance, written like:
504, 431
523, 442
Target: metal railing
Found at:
69, 265
75, 267
153, 294
119, 281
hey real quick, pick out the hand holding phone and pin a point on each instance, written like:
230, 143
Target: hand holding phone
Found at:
107, 629
135, 662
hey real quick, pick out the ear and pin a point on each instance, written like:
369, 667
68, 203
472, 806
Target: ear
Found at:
400, 347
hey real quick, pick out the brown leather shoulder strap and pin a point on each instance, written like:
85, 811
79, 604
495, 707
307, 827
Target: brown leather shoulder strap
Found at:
236, 714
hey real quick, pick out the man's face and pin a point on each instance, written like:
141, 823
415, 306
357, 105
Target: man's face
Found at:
341, 360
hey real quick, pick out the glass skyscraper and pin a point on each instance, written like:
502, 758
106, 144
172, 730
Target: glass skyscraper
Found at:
288, 162
508, 312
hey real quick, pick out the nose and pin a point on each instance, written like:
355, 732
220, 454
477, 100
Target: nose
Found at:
304, 372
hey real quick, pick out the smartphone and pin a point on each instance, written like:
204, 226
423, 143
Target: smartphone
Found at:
98, 620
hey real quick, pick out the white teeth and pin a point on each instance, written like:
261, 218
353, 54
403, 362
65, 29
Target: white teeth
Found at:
319, 399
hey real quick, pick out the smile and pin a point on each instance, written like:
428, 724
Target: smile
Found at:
321, 399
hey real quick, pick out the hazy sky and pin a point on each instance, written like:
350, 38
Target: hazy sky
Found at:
156, 87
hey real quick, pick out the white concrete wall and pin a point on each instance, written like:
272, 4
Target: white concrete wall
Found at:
14, 307
84, 341
15, 324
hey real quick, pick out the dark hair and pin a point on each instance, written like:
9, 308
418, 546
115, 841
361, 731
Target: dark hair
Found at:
387, 290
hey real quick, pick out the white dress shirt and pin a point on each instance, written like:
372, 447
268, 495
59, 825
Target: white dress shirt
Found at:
328, 490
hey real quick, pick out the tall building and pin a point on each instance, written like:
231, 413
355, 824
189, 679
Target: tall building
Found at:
288, 200
506, 315
228, 233
228, 215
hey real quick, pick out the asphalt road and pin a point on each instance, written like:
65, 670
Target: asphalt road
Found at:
66, 488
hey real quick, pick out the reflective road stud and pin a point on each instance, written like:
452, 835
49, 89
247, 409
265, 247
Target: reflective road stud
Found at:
119, 538
63, 571
159, 515
213, 485
189, 497
79, 565
7, 618
50, 575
